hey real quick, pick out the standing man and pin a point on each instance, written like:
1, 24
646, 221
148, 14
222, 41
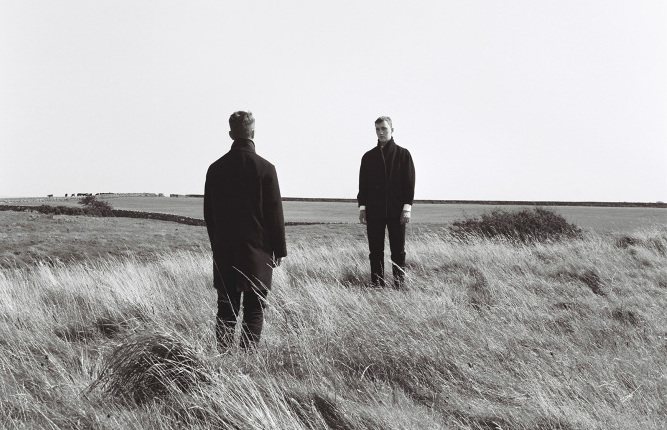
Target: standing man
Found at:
386, 193
244, 218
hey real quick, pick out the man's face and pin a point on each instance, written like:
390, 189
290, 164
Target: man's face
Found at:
383, 130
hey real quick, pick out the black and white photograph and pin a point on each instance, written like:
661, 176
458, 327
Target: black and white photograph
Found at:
333, 215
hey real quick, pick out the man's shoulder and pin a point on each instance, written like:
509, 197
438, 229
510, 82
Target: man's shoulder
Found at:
263, 160
370, 151
263, 165
399, 147
401, 150
230, 156
217, 163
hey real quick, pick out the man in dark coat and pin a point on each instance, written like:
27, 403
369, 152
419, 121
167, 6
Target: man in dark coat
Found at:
244, 218
386, 193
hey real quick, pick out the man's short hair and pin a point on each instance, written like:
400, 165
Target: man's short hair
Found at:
242, 125
384, 118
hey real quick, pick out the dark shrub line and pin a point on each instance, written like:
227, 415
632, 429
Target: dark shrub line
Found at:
524, 225
158, 216
99, 211
45, 209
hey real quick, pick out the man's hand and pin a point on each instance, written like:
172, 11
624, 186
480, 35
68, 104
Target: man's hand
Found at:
405, 217
362, 216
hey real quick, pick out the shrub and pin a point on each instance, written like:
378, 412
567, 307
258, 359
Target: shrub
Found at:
524, 225
58, 210
94, 207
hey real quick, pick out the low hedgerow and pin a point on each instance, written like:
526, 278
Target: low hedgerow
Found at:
525, 225
103, 209
45, 209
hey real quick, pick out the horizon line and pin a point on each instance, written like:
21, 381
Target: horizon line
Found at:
656, 204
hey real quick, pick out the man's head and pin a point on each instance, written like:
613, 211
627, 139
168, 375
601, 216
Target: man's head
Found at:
241, 125
383, 129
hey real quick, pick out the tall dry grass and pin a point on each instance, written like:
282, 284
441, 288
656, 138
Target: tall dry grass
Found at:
487, 334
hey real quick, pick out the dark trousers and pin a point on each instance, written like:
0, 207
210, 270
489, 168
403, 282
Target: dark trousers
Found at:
229, 305
375, 231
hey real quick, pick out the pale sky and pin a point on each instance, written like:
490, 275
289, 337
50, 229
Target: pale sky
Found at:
496, 100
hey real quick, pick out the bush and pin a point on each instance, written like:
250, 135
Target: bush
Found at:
94, 207
524, 225
58, 210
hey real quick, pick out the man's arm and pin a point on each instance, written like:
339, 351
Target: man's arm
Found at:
273, 210
361, 196
408, 187
409, 179
208, 209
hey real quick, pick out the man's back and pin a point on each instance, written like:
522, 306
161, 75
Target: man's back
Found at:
244, 219
235, 195
243, 210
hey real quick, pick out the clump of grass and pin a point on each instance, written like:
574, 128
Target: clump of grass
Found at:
314, 407
588, 276
628, 317
352, 277
527, 226
654, 241
150, 365
476, 284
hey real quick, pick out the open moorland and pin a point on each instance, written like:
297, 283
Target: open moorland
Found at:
107, 323
602, 219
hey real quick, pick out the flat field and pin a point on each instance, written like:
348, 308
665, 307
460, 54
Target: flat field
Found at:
598, 219
114, 329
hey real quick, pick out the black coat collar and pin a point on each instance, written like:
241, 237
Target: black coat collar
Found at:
387, 146
246, 145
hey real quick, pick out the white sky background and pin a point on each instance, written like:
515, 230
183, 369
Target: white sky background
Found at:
496, 100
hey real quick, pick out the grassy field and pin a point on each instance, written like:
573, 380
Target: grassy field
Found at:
487, 334
599, 219
29, 237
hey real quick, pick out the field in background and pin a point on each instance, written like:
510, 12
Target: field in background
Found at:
487, 334
599, 219
26, 238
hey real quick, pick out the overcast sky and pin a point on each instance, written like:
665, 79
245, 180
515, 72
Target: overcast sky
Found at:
496, 100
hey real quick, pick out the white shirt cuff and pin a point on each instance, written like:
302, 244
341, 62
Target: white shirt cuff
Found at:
362, 208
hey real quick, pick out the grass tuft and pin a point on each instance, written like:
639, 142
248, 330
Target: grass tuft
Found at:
473, 280
354, 278
150, 365
652, 241
587, 276
627, 317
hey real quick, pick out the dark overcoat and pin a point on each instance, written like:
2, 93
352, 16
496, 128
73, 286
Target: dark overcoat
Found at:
386, 182
244, 218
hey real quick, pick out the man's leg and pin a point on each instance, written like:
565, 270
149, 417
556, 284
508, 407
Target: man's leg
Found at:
375, 232
229, 302
254, 303
397, 247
